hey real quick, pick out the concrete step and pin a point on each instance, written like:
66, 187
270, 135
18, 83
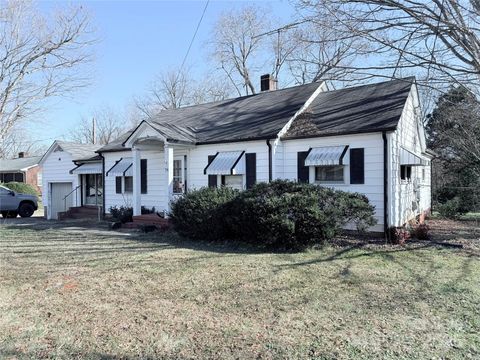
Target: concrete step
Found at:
83, 209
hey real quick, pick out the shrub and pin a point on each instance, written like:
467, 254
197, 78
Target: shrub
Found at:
199, 214
122, 214
398, 235
421, 232
280, 214
284, 214
452, 208
21, 188
145, 210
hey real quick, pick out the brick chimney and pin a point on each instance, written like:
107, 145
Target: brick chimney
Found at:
21, 155
268, 83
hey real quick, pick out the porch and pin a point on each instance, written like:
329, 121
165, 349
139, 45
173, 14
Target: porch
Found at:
151, 174
90, 180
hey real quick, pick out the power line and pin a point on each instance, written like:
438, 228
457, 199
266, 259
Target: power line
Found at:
194, 35
285, 27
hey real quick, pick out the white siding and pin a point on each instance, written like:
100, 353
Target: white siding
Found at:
278, 160
407, 199
373, 145
111, 197
56, 169
197, 160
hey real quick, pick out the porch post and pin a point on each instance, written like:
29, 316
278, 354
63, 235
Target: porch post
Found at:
137, 204
168, 174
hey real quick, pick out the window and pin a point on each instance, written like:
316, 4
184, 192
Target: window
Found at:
178, 176
329, 173
128, 183
405, 172
8, 177
18, 177
233, 181
423, 174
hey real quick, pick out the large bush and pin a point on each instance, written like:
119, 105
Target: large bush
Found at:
200, 214
453, 208
21, 188
291, 215
280, 214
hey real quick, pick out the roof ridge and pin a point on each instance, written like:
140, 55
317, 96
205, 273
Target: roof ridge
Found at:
243, 96
408, 79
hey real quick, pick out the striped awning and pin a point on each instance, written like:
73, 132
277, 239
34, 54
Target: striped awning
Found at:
327, 155
409, 158
87, 168
226, 163
122, 167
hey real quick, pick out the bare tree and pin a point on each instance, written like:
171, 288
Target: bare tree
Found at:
174, 89
236, 43
19, 140
103, 126
439, 39
319, 54
210, 89
39, 58
169, 90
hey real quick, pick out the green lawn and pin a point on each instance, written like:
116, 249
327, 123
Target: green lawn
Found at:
76, 292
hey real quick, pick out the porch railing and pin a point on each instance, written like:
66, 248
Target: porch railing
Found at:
70, 193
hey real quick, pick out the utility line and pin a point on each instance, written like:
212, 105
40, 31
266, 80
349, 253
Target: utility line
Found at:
194, 35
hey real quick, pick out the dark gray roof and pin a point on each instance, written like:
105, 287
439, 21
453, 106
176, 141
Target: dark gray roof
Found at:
19, 163
360, 109
259, 116
116, 145
79, 151
368, 108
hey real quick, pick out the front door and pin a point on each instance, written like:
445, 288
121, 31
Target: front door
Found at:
178, 175
93, 189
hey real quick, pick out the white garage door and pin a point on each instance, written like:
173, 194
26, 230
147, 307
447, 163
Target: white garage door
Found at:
59, 191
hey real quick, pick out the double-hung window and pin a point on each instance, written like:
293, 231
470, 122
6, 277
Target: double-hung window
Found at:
329, 173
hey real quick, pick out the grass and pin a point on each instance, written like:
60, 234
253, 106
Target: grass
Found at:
76, 292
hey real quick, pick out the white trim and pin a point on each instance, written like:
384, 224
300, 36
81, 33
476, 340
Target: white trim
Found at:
29, 167
47, 153
137, 194
168, 159
144, 125
307, 103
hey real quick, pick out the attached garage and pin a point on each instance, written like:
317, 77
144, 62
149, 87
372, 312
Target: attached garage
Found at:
59, 180
58, 201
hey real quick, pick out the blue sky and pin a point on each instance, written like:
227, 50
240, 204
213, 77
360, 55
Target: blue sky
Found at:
137, 40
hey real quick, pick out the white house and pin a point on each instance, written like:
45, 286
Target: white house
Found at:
368, 139
65, 184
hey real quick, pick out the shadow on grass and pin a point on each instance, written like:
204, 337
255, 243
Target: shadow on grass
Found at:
84, 237
70, 352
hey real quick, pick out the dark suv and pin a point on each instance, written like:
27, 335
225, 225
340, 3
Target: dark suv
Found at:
13, 203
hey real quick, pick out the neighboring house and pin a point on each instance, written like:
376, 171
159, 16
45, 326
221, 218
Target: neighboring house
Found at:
368, 139
72, 177
23, 169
